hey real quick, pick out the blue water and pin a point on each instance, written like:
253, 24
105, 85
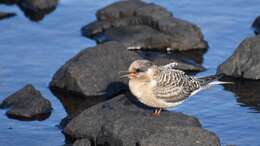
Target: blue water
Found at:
31, 52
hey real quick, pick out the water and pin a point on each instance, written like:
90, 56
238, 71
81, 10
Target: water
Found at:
31, 52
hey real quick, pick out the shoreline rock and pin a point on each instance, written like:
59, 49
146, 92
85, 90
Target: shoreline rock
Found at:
244, 62
95, 71
27, 104
172, 33
124, 121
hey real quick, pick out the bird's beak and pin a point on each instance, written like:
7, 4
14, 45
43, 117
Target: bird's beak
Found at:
128, 74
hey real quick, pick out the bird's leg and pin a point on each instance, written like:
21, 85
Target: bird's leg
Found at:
159, 111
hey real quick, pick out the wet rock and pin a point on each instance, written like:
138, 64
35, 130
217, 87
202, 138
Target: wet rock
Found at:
244, 62
116, 22
4, 15
124, 121
256, 25
35, 10
27, 104
95, 71
82, 142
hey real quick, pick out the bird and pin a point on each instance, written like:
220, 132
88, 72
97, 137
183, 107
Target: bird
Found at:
163, 87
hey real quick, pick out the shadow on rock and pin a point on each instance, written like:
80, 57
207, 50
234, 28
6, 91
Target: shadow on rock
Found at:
256, 25
246, 91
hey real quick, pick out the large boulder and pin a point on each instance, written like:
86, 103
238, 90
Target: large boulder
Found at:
96, 71
27, 104
244, 62
4, 15
124, 121
256, 25
165, 32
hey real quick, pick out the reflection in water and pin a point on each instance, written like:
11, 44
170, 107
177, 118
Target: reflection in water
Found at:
246, 91
74, 103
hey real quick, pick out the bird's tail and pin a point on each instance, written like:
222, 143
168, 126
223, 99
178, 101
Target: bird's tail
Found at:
212, 80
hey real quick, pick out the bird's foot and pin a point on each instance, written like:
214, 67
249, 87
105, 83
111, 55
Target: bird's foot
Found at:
157, 112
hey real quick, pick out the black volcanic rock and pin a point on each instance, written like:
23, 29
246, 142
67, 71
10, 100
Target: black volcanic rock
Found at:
172, 33
256, 25
123, 121
4, 15
27, 104
36, 5
35, 10
82, 142
244, 62
96, 71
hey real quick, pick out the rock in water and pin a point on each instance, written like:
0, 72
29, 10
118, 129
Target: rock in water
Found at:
244, 62
96, 71
36, 5
4, 15
256, 25
124, 21
123, 121
35, 10
27, 104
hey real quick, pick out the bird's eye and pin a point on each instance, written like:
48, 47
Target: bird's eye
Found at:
138, 70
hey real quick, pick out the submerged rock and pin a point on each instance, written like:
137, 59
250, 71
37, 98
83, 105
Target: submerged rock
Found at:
96, 71
244, 62
256, 25
27, 104
123, 121
125, 21
4, 15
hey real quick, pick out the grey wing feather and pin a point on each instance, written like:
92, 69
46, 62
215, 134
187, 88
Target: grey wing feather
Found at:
172, 65
174, 85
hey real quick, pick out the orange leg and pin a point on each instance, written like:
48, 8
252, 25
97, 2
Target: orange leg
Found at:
157, 112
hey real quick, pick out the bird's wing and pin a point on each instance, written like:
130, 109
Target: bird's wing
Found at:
172, 65
174, 85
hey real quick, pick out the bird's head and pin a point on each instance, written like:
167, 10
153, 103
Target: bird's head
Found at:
140, 70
